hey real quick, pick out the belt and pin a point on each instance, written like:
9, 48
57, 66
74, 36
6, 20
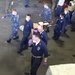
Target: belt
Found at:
37, 56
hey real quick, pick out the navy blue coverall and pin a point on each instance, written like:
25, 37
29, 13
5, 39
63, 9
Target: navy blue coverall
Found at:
58, 11
27, 2
37, 55
60, 26
67, 20
44, 37
28, 26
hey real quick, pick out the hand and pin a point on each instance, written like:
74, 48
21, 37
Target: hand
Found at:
30, 42
35, 31
2, 17
44, 63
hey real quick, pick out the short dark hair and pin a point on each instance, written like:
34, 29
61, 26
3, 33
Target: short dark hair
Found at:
62, 14
37, 34
28, 15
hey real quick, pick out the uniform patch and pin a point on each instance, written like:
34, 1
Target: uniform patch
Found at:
61, 21
38, 48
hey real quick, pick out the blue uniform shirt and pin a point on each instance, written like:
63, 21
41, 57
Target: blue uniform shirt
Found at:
67, 18
15, 20
44, 37
40, 49
60, 24
47, 15
28, 26
73, 17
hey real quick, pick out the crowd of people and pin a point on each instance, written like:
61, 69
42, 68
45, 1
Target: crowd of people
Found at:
64, 16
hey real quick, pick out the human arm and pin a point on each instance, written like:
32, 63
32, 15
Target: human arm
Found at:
63, 26
7, 15
45, 58
41, 13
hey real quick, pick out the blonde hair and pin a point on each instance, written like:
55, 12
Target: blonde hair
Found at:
40, 27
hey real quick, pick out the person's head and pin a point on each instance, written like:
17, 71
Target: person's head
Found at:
14, 11
40, 28
36, 37
28, 17
74, 0
46, 5
62, 15
66, 10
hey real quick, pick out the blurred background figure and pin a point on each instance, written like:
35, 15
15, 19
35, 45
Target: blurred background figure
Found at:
27, 3
73, 21
9, 6
46, 15
59, 8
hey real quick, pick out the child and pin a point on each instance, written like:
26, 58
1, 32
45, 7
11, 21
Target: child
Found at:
46, 15
60, 26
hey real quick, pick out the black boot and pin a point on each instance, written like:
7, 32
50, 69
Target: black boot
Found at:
17, 37
20, 53
9, 40
26, 6
26, 73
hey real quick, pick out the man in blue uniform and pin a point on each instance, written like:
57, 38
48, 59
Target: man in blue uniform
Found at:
27, 3
46, 15
59, 8
28, 28
39, 53
15, 25
43, 34
60, 26
67, 18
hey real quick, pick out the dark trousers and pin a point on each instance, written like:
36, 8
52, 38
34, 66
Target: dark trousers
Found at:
57, 34
24, 42
13, 34
27, 2
71, 14
35, 63
65, 30
58, 11
73, 25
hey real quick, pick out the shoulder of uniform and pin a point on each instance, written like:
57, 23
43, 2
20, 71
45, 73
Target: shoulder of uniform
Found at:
41, 43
